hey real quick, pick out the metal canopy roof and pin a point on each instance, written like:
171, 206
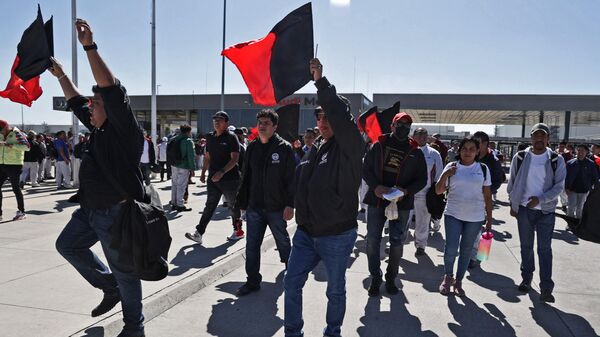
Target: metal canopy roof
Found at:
494, 109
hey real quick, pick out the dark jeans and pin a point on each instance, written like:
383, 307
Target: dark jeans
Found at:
398, 232
306, 253
12, 173
257, 222
214, 192
145, 172
82, 232
164, 170
532, 221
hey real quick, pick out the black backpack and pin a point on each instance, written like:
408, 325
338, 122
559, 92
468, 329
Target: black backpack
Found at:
174, 155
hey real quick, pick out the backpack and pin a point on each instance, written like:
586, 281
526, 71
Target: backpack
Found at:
521, 156
174, 155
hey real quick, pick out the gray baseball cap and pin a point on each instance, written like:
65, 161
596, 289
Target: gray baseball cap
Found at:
540, 127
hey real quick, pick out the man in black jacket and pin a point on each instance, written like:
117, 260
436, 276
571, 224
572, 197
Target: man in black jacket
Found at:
267, 193
395, 160
112, 157
326, 208
31, 161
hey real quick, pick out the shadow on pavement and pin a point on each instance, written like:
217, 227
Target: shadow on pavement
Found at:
94, 332
255, 313
566, 236
424, 272
396, 322
474, 321
558, 323
197, 257
504, 287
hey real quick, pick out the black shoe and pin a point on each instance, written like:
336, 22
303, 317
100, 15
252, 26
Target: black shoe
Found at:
127, 334
182, 209
362, 210
525, 286
564, 209
22, 185
546, 296
374, 287
390, 287
420, 252
246, 289
108, 302
473, 264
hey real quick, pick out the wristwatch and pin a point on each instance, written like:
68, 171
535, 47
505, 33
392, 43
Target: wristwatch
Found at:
93, 46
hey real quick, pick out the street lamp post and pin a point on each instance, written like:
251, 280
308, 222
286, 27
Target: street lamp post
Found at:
153, 108
223, 58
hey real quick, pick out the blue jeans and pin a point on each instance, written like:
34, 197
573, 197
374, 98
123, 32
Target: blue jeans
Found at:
461, 234
530, 221
85, 228
398, 231
257, 221
306, 253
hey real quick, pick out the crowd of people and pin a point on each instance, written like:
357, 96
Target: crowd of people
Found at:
319, 181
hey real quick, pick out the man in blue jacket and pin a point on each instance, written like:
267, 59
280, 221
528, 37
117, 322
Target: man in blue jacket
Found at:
582, 173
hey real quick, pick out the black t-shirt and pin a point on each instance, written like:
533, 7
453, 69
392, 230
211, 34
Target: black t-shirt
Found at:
393, 157
219, 149
256, 165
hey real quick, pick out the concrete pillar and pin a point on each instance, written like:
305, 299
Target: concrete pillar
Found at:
541, 116
524, 125
567, 125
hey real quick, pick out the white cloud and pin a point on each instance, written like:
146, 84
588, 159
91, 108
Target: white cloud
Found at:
340, 3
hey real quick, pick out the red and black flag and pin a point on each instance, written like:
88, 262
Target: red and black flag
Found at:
33, 58
275, 66
375, 124
287, 126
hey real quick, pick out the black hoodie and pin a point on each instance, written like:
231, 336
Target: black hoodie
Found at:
277, 176
329, 177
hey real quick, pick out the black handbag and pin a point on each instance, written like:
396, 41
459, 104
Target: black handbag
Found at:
436, 203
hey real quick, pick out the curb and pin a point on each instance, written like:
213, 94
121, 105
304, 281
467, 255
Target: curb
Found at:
164, 299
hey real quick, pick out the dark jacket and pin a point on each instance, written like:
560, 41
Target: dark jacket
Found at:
412, 175
581, 175
115, 148
496, 171
278, 176
326, 198
35, 153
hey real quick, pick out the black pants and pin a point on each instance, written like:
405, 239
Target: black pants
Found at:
214, 192
12, 172
145, 172
164, 164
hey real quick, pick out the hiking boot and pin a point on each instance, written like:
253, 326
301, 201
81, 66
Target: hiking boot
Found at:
447, 282
525, 286
546, 296
20, 216
420, 252
196, 237
108, 302
374, 287
458, 290
247, 289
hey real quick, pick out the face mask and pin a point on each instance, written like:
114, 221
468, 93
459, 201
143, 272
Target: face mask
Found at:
402, 132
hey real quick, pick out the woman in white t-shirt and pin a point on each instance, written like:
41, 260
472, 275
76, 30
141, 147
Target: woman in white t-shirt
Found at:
469, 206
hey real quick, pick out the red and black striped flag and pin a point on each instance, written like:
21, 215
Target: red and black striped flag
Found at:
33, 58
275, 66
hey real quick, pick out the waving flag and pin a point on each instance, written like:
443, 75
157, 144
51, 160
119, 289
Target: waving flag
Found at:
375, 124
33, 58
277, 65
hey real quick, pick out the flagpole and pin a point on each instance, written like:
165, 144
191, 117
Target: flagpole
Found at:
153, 117
223, 58
74, 75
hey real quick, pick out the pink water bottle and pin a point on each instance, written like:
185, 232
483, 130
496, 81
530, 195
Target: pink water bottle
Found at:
484, 246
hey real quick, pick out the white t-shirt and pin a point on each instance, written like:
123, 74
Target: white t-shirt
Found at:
465, 194
145, 159
433, 159
534, 184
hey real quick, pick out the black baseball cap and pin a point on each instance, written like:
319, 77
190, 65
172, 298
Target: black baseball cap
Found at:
221, 114
540, 127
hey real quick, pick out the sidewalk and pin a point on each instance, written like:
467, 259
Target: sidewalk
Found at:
41, 292
41, 295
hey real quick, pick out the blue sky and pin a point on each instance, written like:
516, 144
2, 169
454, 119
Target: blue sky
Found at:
424, 46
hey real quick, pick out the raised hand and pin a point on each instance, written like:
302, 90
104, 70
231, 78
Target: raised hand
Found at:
316, 69
84, 32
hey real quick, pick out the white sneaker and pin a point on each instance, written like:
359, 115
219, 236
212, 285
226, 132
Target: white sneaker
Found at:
196, 237
236, 235
20, 216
